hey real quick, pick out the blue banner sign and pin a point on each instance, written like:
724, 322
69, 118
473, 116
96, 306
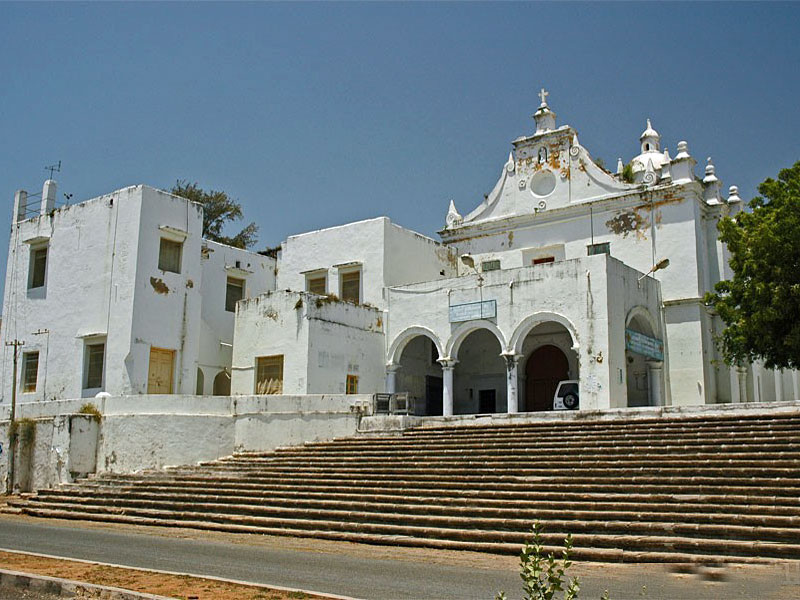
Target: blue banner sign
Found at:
473, 311
644, 344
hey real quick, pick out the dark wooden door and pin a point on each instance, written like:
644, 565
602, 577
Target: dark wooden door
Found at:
434, 388
487, 402
545, 368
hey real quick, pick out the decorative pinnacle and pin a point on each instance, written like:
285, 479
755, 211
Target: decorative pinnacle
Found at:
543, 95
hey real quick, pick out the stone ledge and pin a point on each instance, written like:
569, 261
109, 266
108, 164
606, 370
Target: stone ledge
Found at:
66, 588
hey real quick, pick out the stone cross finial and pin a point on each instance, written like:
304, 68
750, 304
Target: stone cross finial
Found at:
543, 95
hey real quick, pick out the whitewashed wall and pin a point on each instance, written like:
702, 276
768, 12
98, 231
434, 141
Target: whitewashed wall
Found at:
90, 282
575, 293
216, 333
150, 432
103, 284
388, 254
321, 342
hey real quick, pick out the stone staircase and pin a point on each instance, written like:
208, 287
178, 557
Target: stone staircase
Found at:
634, 489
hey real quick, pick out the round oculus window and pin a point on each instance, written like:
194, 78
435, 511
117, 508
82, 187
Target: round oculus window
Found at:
543, 183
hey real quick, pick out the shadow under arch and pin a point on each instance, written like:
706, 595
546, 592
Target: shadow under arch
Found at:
405, 336
461, 333
529, 323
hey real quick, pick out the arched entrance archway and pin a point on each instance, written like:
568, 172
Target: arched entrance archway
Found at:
549, 357
420, 375
479, 377
546, 367
638, 375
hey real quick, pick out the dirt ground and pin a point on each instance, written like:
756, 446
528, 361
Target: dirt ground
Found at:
173, 586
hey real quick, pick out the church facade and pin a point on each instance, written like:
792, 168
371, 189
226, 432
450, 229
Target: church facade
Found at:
566, 280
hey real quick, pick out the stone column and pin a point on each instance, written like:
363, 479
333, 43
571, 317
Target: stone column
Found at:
654, 370
795, 385
448, 365
512, 382
741, 375
778, 385
391, 378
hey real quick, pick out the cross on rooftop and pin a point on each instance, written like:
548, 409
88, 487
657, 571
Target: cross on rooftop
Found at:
543, 95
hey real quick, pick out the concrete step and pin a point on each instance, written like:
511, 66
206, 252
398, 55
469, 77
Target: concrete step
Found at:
789, 485
766, 505
507, 540
428, 471
664, 488
752, 459
521, 510
687, 485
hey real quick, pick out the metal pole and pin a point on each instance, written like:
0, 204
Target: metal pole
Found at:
12, 443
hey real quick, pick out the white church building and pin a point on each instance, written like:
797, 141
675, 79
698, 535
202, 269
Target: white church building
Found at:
565, 272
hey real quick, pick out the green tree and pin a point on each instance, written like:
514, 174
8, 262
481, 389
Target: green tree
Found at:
218, 209
760, 305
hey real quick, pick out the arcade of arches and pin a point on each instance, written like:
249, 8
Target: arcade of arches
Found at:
481, 377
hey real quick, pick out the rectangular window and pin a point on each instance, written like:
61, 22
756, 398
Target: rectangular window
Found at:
38, 267
604, 248
352, 384
30, 371
317, 284
269, 374
351, 286
95, 354
169, 256
544, 260
490, 265
233, 293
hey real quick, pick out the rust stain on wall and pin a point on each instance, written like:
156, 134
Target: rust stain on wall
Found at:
637, 219
159, 286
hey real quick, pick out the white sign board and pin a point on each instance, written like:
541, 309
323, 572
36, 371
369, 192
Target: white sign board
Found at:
473, 311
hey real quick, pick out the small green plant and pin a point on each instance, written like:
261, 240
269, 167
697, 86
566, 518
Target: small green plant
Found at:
90, 410
326, 299
542, 575
627, 173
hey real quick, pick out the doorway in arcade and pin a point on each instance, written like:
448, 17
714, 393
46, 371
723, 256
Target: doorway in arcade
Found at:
548, 359
420, 376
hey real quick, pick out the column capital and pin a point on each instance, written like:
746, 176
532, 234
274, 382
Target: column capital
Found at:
447, 363
511, 359
392, 367
654, 364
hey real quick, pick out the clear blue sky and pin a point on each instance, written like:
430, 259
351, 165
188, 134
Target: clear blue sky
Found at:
313, 115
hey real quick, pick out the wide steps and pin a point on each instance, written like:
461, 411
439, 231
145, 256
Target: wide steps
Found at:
649, 489
373, 510
506, 540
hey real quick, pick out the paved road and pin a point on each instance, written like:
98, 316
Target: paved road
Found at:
361, 576
324, 572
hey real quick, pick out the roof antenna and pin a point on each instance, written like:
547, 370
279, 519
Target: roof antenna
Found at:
54, 169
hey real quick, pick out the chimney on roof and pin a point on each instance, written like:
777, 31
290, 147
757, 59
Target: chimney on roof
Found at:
48, 196
20, 205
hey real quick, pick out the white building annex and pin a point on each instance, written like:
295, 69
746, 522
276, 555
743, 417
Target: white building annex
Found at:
564, 272
120, 294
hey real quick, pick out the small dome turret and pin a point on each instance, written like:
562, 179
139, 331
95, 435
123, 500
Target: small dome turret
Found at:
650, 139
651, 153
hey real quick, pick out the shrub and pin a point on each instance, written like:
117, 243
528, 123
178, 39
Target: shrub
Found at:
543, 576
91, 410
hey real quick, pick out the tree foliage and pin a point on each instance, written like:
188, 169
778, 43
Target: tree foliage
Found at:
218, 209
760, 305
